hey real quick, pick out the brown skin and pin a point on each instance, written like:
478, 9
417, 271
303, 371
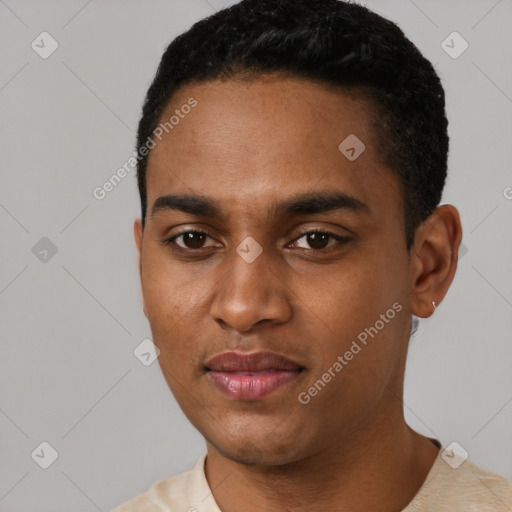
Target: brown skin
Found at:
248, 145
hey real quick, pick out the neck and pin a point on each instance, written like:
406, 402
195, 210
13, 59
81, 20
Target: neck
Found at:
379, 467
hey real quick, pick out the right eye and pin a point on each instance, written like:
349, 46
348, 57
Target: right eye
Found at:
188, 240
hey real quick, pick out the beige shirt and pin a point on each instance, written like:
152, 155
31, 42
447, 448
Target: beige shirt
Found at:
467, 488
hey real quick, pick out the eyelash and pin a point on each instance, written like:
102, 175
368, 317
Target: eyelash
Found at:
342, 240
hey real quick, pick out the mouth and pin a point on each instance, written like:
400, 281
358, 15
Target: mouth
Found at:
251, 377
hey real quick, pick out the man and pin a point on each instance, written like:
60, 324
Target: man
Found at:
292, 159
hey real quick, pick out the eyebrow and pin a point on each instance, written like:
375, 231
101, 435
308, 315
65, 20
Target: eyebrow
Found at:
302, 204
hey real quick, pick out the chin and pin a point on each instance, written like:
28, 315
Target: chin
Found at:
254, 455
262, 447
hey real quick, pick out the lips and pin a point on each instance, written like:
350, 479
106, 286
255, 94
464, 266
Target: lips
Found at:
251, 376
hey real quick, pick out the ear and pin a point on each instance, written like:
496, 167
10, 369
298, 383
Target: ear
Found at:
138, 232
434, 257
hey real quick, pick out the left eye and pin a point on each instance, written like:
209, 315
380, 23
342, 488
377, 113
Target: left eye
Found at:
318, 240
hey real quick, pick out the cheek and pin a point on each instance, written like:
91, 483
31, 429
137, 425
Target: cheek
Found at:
176, 305
357, 302
343, 297
168, 294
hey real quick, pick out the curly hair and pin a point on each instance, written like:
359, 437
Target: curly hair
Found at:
334, 42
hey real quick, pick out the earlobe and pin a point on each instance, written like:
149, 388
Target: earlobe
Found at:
434, 259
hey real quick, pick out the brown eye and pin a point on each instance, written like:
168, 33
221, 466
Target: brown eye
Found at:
193, 239
318, 240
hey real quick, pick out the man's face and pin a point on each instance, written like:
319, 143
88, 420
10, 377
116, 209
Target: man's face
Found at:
251, 148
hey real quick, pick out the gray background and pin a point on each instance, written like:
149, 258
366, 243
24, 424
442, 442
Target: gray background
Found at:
70, 324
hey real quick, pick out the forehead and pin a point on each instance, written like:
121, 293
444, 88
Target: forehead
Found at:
254, 141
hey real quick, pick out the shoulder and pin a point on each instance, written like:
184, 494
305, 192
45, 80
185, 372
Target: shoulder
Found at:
488, 487
466, 487
172, 493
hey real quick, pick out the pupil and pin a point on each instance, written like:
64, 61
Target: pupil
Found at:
317, 240
194, 240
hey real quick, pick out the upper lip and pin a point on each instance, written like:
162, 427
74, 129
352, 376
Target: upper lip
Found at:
255, 362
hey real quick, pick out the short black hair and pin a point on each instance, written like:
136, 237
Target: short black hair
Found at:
333, 42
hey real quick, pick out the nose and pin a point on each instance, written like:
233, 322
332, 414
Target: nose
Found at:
250, 295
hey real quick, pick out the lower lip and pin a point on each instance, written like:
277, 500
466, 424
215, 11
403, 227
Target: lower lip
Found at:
245, 386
